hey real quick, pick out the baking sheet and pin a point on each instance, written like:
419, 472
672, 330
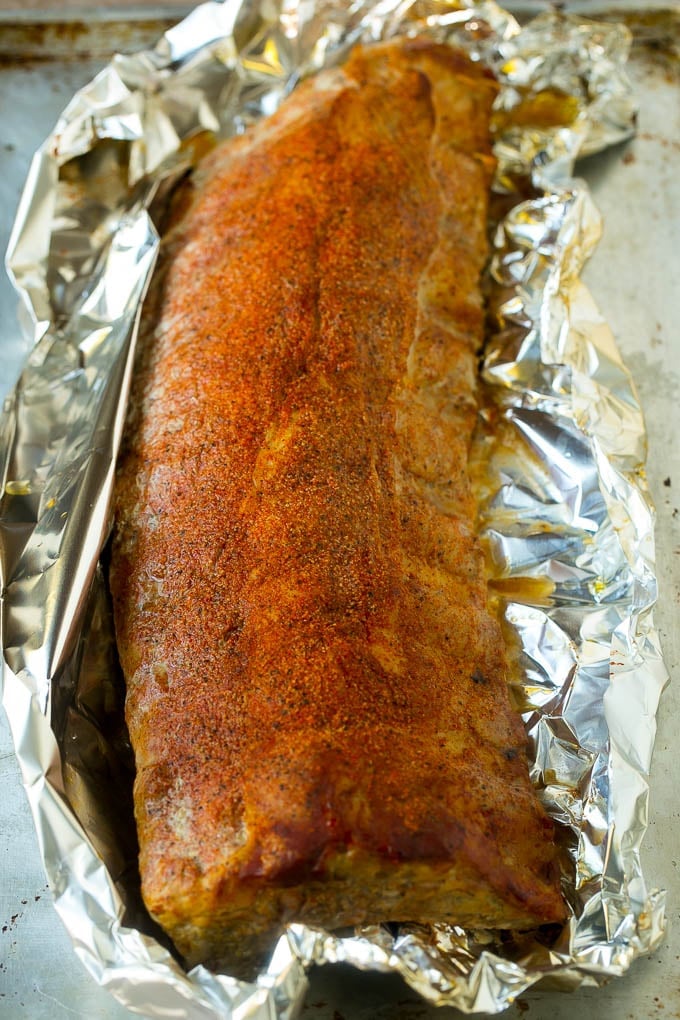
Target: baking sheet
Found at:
620, 179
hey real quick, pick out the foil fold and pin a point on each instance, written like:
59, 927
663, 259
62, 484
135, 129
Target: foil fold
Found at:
566, 519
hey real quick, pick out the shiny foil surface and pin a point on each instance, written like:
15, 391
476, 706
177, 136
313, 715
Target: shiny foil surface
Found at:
558, 462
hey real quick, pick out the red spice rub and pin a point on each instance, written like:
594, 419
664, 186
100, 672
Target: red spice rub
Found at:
316, 684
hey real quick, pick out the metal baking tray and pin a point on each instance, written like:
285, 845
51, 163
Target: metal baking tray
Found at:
635, 278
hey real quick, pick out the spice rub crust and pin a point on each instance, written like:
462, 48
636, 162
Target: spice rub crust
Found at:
316, 683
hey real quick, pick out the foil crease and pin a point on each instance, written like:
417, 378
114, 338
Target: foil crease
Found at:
565, 514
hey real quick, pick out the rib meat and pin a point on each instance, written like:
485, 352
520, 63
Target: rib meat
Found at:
317, 685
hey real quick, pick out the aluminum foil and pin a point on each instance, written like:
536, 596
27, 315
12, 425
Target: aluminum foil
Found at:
565, 514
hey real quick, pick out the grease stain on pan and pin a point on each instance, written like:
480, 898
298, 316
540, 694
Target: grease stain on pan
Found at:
25, 42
